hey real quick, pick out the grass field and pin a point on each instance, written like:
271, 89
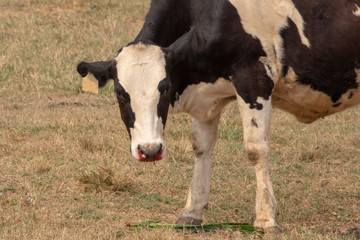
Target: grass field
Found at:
65, 167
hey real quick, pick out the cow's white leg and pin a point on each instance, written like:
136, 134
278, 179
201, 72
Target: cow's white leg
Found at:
256, 124
204, 138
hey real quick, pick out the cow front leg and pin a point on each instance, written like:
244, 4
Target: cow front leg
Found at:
256, 124
204, 138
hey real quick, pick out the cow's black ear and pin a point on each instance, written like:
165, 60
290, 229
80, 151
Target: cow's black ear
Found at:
102, 71
178, 50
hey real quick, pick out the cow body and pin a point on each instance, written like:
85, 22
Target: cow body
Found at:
308, 48
299, 56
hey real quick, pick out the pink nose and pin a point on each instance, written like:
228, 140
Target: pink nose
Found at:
150, 152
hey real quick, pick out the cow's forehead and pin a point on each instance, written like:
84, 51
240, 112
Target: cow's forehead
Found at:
140, 68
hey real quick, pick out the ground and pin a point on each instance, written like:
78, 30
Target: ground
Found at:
65, 167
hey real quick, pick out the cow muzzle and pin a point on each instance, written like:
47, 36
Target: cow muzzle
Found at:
150, 152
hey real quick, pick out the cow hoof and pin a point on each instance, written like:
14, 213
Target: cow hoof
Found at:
188, 221
273, 231
270, 230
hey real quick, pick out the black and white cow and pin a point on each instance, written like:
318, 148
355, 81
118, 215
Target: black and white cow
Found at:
195, 56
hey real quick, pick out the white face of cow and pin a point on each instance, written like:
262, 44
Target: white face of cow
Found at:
142, 91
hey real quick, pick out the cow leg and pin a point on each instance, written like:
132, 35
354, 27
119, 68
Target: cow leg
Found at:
256, 124
254, 88
204, 138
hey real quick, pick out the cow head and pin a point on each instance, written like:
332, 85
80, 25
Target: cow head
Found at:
143, 87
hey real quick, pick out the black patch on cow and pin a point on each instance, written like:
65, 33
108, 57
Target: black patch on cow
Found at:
165, 22
124, 100
164, 88
252, 82
321, 12
254, 123
178, 50
284, 70
328, 65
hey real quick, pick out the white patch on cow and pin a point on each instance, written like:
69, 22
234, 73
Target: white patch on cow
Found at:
264, 20
140, 68
256, 125
357, 11
306, 103
203, 101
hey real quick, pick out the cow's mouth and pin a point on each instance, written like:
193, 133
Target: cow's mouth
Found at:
143, 157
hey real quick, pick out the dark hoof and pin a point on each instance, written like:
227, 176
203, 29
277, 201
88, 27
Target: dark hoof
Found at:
188, 221
272, 231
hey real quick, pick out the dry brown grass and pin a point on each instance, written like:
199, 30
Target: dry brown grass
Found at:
65, 167
102, 179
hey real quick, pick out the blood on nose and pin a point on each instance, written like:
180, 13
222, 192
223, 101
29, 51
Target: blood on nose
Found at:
150, 152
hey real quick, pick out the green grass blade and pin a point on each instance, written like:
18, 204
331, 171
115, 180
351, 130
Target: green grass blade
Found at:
242, 227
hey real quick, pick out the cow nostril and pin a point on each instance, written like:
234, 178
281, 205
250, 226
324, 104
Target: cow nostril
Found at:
160, 149
141, 153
